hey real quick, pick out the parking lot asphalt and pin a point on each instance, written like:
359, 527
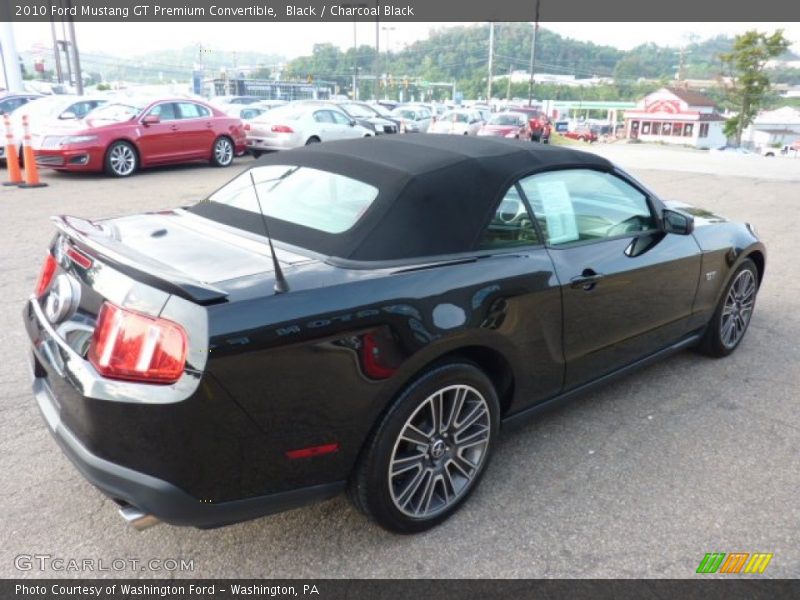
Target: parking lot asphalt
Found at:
639, 479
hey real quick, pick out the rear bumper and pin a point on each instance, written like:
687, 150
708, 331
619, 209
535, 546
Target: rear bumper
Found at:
160, 498
184, 462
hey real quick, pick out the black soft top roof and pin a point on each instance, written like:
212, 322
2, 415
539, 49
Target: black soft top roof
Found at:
436, 195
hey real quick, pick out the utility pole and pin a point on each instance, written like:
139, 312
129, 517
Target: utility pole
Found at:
377, 52
56, 51
533, 55
75, 55
508, 86
355, 60
491, 62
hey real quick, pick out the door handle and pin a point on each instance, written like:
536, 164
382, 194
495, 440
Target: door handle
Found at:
174, 127
586, 280
209, 125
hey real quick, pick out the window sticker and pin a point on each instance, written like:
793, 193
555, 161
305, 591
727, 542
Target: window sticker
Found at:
562, 226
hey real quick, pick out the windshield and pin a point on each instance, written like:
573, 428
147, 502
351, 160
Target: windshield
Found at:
381, 110
507, 119
304, 196
116, 112
405, 113
358, 110
45, 107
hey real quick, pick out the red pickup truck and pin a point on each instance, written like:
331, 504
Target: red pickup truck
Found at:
539, 123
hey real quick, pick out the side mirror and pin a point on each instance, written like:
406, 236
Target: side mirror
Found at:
68, 115
151, 120
352, 122
677, 222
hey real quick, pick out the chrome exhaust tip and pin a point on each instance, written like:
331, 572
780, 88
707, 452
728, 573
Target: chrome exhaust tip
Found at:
137, 519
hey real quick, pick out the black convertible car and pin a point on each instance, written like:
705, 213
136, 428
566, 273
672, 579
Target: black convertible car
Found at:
422, 291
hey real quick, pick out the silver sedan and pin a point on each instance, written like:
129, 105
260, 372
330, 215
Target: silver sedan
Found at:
300, 124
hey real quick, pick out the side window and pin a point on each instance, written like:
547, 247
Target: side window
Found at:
511, 224
581, 205
323, 116
190, 110
165, 111
339, 118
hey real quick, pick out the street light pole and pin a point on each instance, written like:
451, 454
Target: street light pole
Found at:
533, 54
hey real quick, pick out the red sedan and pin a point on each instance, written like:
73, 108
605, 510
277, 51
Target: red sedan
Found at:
121, 137
583, 134
508, 125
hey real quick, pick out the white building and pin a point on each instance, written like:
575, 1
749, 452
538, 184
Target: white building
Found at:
778, 127
676, 116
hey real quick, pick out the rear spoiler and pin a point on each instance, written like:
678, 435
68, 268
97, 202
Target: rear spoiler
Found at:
101, 243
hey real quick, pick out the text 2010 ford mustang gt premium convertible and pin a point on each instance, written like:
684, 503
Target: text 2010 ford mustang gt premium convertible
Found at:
422, 291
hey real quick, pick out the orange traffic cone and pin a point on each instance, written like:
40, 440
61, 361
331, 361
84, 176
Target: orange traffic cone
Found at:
12, 160
31, 170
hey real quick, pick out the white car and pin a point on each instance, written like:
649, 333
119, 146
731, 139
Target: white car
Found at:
413, 119
300, 124
458, 122
46, 112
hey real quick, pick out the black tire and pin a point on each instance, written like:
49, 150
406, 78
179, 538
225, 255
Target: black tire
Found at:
714, 341
222, 152
312, 140
535, 138
122, 159
374, 492
256, 153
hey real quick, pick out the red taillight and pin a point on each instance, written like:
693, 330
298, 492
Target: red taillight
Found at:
131, 346
282, 129
46, 275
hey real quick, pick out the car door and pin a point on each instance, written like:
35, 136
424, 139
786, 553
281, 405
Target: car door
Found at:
160, 142
522, 301
196, 131
345, 127
324, 125
627, 286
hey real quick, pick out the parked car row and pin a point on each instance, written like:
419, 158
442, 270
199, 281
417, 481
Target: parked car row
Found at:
119, 135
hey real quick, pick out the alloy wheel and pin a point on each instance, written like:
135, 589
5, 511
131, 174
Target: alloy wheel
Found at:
738, 308
440, 451
223, 152
122, 160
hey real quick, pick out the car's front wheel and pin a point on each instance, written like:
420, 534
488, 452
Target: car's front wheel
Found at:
222, 153
429, 451
121, 159
727, 327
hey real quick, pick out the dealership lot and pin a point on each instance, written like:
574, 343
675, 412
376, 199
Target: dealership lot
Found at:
640, 479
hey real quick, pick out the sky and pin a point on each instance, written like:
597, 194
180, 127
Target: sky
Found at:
296, 39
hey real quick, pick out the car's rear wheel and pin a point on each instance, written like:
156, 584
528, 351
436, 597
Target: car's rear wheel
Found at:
312, 140
222, 153
121, 159
732, 317
429, 451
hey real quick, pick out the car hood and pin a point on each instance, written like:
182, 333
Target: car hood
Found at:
701, 216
